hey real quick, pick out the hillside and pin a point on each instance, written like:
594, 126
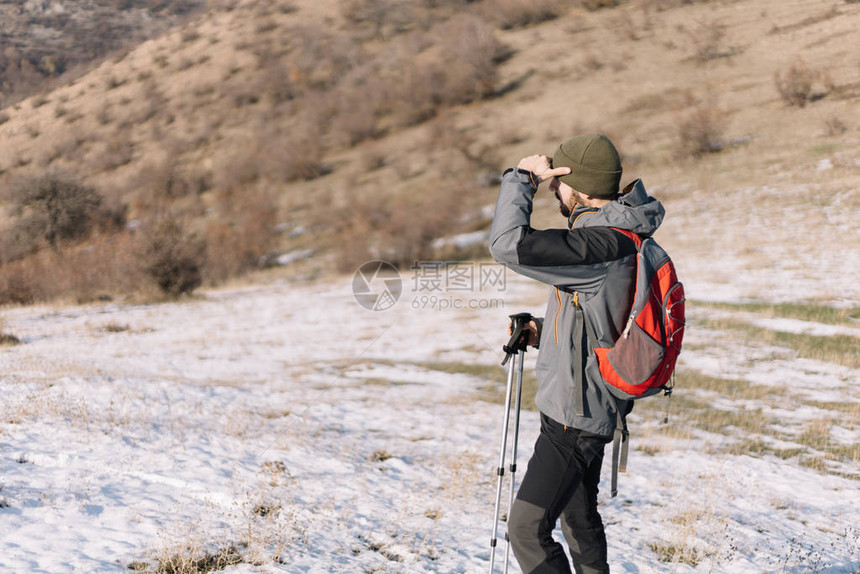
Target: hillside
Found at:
370, 128
46, 43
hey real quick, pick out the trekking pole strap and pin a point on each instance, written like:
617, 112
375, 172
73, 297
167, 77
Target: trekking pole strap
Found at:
615, 454
625, 441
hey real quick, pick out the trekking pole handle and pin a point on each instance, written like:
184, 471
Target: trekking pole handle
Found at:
519, 336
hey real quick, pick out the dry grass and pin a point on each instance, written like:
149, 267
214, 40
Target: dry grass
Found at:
803, 311
676, 554
722, 409
837, 349
7, 338
509, 14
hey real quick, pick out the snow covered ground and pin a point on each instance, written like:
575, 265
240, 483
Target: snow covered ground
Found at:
291, 430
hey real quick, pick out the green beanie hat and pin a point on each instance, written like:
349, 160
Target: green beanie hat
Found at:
595, 167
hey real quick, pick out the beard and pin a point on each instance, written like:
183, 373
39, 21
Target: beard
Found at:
564, 209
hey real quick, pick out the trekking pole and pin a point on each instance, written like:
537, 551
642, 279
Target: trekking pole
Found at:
513, 465
515, 348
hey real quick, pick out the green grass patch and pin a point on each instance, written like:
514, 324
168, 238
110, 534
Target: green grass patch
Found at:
802, 311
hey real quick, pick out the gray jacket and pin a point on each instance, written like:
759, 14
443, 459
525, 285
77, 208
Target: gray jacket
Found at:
591, 268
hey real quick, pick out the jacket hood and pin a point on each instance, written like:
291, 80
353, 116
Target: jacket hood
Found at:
634, 211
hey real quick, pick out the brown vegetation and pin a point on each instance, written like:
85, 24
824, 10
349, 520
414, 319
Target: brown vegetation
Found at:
172, 257
700, 130
795, 85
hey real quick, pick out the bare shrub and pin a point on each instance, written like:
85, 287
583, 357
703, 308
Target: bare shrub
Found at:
172, 257
110, 264
55, 206
192, 559
103, 117
400, 230
4, 117
112, 214
113, 82
297, 154
706, 39
700, 131
371, 159
244, 232
508, 14
834, 126
471, 53
359, 110
7, 338
318, 59
117, 153
463, 152
795, 84
590, 62
599, 4
417, 94
625, 26
276, 156
242, 167
39, 100
19, 240
17, 284
379, 18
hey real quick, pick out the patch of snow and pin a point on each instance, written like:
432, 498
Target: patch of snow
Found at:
312, 434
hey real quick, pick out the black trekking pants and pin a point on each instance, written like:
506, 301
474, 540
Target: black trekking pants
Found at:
561, 480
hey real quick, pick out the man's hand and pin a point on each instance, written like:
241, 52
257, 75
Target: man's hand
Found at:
531, 329
539, 165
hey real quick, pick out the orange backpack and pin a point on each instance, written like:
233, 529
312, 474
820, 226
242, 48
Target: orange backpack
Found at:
642, 360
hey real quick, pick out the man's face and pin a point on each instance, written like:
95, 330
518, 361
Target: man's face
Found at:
565, 195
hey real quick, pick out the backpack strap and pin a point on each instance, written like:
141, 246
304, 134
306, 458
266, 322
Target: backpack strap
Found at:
621, 438
634, 236
579, 360
620, 445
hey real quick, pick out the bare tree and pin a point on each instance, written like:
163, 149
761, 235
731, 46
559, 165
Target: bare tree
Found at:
55, 207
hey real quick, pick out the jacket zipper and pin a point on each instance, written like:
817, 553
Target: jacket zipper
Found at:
557, 311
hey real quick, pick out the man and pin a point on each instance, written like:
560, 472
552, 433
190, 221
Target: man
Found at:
591, 267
